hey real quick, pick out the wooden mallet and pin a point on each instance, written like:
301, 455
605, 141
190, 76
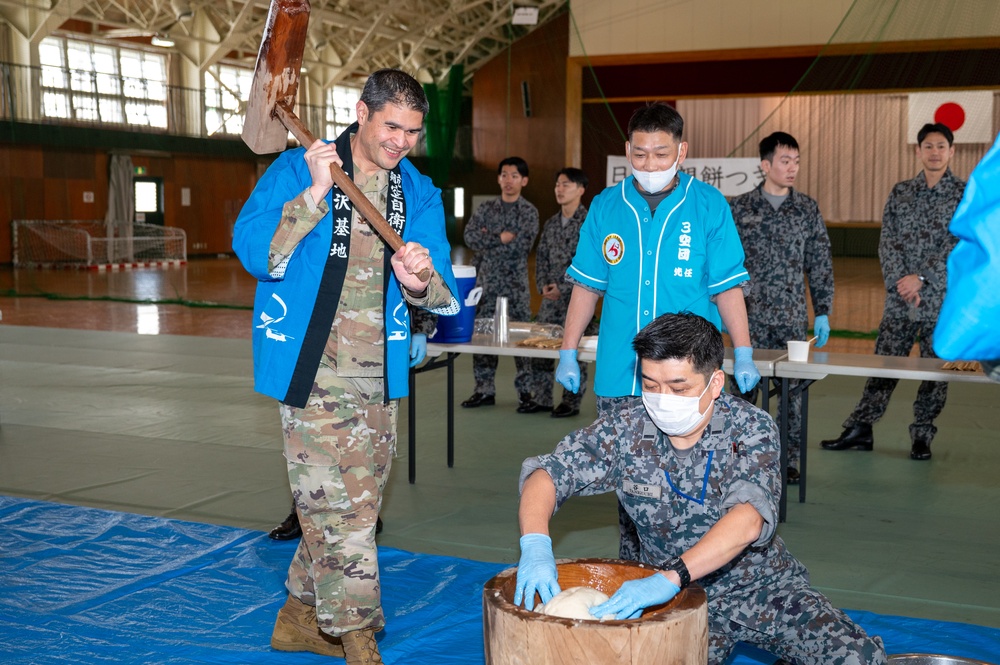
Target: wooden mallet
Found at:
270, 117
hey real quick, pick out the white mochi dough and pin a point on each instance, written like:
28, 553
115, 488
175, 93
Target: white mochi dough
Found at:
574, 603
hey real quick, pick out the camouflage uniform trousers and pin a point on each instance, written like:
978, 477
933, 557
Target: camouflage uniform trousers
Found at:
803, 628
628, 536
484, 367
348, 436
895, 338
776, 338
543, 369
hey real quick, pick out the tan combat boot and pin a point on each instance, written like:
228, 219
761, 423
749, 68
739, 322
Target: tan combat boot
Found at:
361, 647
295, 630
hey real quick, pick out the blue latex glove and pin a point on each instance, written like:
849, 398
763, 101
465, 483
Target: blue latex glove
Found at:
418, 348
635, 596
536, 571
744, 370
568, 370
821, 326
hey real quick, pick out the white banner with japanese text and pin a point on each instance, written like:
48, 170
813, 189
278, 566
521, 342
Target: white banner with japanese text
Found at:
730, 175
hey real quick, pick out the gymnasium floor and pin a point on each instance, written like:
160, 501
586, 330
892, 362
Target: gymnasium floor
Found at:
147, 407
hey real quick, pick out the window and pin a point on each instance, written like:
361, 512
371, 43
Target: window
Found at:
341, 111
100, 83
226, 88
148, 199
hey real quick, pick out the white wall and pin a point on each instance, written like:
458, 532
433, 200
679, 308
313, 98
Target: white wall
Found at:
661, 26
667, 26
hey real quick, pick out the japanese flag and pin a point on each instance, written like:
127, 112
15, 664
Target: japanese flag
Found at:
969, 115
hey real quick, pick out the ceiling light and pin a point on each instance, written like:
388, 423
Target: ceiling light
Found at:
161, 40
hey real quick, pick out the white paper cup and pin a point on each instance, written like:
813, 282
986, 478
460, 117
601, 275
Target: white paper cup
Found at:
798, 352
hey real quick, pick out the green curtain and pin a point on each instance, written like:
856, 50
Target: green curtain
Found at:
442, 124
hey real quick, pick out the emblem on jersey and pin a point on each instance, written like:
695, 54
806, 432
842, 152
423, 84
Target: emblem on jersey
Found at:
614, 248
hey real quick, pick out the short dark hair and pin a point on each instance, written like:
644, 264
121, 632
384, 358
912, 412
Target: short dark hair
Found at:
574, 175
656, 117
522, 166
683, 336
393, 86
770, 144
935, 128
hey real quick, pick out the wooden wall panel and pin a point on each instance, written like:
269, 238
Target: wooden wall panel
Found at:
69, 164
28, 198
26, 201
80, 209
500, 127
45, 182
20, 161
604, 128
55, 201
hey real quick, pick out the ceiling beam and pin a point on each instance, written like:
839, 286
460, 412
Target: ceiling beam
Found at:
233, 38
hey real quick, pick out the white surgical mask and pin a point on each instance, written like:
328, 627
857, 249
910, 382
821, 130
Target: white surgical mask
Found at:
674, 415
655, 181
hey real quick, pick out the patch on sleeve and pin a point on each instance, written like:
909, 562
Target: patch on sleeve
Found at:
613, 248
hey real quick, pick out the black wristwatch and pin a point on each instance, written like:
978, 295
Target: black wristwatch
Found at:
677, 565
921, 278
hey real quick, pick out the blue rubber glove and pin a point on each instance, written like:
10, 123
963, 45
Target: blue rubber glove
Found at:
635, 596
568, 370
418, 348
744, 370
536, 571
821, 326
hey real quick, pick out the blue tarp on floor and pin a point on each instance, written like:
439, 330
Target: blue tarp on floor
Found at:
80, 585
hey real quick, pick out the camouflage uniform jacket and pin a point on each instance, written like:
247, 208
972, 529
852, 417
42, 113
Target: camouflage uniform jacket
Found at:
675, 499
781, 246
556, 248
502, 270
915, 241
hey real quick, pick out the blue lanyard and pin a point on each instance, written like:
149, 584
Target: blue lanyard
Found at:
704, 482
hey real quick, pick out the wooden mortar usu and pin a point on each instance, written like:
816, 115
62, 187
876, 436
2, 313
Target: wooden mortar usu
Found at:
675, 633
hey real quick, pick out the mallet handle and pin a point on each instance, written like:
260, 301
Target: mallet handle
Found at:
364, 206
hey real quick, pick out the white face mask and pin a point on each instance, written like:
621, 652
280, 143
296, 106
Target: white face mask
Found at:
674, 415
655, 181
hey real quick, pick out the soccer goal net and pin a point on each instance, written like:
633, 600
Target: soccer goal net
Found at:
86, 243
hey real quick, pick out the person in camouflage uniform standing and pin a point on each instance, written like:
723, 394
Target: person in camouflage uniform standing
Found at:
501, 232
333, 345
554, 254
913, 248
698, 471
784, 238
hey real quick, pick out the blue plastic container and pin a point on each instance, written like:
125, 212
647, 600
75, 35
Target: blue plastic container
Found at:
458, 328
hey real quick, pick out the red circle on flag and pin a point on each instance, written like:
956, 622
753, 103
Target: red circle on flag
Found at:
951, 115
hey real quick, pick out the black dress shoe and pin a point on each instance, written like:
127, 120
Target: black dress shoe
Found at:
793, 475
921, 450
564, 410
859, 436
287, 530
524, 401
531, 406
479, 399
